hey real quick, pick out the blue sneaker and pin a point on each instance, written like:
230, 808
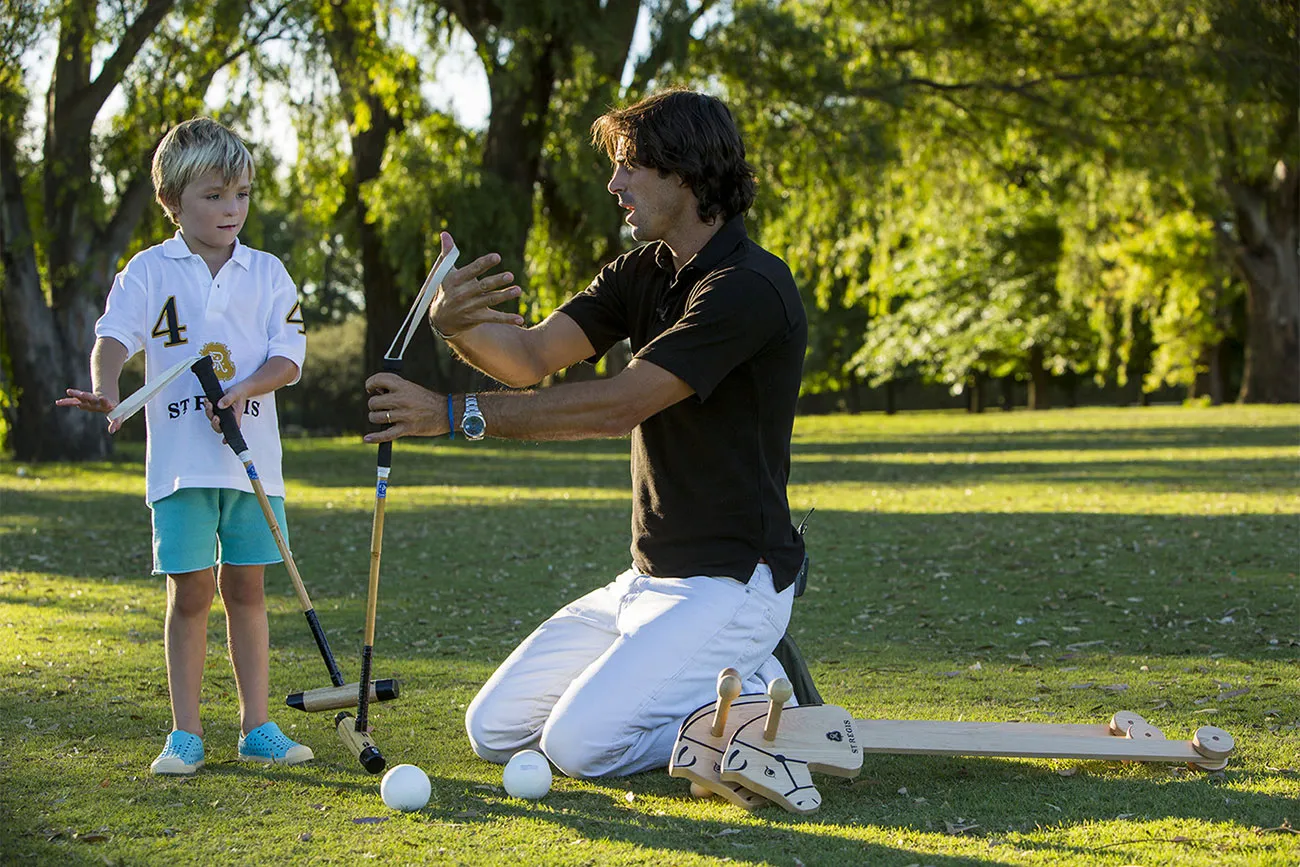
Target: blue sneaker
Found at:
183, 754
267, 745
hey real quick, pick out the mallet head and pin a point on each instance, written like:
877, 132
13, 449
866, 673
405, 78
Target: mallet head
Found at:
359, 743
335, 697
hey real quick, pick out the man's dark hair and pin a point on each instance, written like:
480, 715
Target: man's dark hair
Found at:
688, 134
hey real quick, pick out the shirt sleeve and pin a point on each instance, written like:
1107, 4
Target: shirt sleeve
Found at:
729, 319
601, 309
124, 313
286, 331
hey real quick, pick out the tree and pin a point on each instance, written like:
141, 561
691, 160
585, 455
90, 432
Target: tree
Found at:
64, 233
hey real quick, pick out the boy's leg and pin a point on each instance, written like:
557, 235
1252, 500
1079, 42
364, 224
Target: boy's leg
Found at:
621, 715
248, 639
246, 546
185, 641
510, 710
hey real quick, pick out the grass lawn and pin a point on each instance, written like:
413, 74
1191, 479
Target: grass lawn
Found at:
1052, 567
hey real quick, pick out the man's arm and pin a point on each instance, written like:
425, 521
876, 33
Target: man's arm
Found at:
582, 410
495, 341
520, 357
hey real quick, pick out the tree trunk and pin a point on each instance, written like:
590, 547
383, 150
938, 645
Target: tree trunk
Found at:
43, 359
512, 152
1008, 393
975, 394
1038, 380
1266, 254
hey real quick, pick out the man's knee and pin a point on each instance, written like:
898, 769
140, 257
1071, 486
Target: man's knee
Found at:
490, 735
575, 749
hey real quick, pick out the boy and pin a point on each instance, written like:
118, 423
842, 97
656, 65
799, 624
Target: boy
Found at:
203, 290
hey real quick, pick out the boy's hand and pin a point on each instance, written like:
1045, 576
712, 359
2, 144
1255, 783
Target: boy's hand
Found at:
234, 399
466, 297
91, 401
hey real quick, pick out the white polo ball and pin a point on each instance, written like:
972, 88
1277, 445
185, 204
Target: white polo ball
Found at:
405, 787
527, 775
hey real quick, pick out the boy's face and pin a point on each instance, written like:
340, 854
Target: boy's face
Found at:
212, 212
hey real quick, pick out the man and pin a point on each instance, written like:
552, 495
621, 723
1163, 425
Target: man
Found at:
718, 334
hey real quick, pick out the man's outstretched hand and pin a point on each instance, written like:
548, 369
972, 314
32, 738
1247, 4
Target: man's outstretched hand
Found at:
468, 295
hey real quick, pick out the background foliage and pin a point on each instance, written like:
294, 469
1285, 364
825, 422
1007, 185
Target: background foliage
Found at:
1042, 194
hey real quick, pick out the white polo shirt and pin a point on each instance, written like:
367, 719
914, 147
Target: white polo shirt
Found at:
167, 303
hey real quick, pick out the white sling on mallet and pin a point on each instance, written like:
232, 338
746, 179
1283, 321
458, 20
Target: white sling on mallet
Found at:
138, 398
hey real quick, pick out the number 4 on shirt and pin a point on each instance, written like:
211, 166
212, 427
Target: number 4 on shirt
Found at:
168, 325
295, 318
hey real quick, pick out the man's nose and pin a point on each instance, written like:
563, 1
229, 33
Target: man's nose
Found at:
618, 181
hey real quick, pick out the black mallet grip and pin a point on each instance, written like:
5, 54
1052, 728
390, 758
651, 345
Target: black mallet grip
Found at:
213, 391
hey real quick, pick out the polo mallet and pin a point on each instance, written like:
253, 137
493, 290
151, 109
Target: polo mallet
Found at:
356, 736
340, 694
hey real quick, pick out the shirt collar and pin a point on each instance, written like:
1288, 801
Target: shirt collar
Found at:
712, 253
176, 248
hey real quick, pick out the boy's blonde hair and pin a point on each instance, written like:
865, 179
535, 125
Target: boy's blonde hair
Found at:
191, 150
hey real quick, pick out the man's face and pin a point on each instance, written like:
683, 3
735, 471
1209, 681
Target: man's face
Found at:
657, 207
212, 212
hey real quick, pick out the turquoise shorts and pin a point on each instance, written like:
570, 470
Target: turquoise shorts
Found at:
196, 528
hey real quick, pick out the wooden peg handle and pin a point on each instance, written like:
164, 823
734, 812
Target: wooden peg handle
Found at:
729, 687
778, 692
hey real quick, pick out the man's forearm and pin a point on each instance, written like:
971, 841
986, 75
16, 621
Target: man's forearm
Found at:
500, 351
584, 410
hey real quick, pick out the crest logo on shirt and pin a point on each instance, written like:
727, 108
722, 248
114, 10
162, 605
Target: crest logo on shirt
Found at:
221, 361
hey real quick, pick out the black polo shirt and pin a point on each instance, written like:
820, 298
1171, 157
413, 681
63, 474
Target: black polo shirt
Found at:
709, 473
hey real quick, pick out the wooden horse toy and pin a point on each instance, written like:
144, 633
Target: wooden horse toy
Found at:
770, 751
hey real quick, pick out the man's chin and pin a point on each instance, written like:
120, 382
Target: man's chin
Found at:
640, 233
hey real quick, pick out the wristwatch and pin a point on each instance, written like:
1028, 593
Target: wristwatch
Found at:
472, 423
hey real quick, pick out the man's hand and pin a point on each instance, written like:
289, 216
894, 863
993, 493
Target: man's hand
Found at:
467, 296
91, 401
407, 409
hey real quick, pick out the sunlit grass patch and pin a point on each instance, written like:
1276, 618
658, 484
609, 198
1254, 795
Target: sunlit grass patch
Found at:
1045, 567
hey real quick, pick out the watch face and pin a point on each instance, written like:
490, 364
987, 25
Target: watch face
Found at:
473, 426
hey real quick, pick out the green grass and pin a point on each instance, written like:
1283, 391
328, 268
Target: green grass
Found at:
1056, 566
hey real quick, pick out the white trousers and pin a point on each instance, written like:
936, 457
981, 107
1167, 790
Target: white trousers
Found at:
602, 687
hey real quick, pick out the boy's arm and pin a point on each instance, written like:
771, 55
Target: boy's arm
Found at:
277, 372
106, 362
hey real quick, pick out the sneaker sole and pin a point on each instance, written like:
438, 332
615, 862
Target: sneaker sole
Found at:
295, 756
173, 767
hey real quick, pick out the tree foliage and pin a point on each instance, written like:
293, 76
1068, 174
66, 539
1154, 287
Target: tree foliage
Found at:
965, 189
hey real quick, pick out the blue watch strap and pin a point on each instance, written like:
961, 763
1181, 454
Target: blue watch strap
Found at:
451, 418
